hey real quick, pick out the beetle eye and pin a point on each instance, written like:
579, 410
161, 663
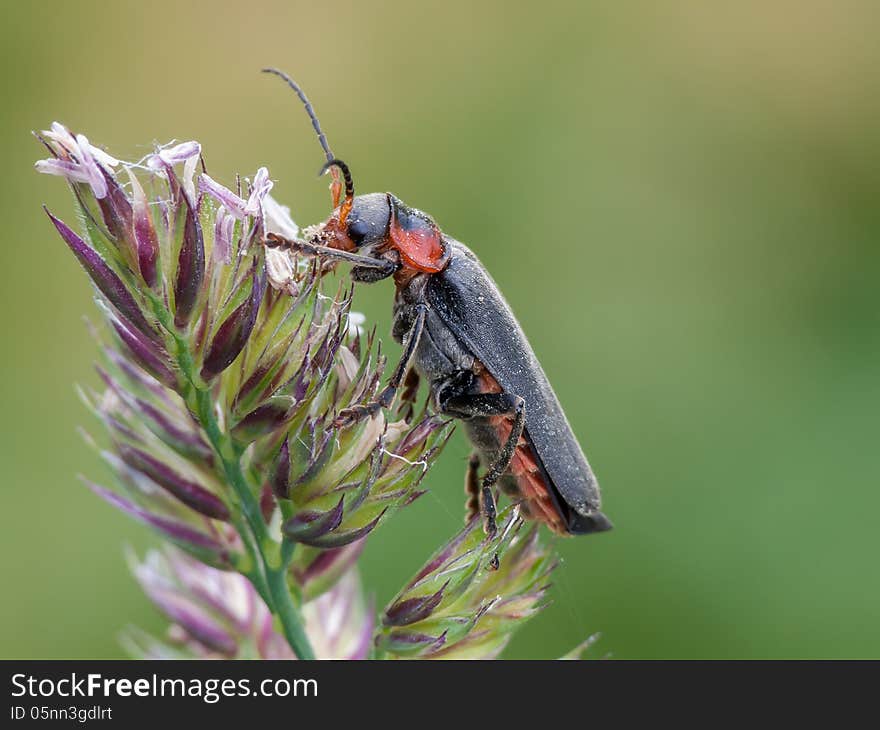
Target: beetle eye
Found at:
368, 221
357, 230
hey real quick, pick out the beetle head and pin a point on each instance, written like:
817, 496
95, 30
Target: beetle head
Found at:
367, 224
377, 223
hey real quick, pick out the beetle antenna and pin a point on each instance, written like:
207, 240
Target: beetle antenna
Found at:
335, 190
349, 186
309, 109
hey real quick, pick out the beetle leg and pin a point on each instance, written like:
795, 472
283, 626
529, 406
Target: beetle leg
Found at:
273, 240
408, 394
472, 488
370, 275
347, 416
487, 405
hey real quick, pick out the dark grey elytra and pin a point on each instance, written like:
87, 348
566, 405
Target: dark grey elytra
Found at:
459, 333
470, 305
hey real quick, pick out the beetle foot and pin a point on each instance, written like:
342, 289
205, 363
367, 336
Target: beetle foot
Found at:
489, 526
408, 395
350, 416
273, 240
472, 489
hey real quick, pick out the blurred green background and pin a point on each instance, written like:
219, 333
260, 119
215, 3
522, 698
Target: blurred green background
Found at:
681, 200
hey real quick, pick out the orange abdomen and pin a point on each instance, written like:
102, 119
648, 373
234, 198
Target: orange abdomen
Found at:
524, 479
